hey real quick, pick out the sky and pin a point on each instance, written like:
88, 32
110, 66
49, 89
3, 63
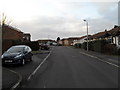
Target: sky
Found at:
49, 19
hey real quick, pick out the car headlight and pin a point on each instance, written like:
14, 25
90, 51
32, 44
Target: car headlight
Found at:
2, 56
18, 56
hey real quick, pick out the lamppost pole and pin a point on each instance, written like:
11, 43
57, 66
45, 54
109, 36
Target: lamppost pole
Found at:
87, 33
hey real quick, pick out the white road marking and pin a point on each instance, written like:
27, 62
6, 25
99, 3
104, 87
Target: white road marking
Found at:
116, 61
100, 59
44, 84
39, 66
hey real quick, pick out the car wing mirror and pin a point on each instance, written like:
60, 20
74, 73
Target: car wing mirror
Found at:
25, 52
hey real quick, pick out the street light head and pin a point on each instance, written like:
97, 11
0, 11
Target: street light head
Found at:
85, 20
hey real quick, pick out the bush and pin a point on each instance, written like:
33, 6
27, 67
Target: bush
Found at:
84, 46
77, 45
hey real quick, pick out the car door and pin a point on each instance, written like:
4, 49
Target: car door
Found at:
29, 52
26, 54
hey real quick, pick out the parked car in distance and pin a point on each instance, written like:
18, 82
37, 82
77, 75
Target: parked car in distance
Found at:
44, 47
18, 54
54, 44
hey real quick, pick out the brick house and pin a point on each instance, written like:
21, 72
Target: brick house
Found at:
10, 35
65, 42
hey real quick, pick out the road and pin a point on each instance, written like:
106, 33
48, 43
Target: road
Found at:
67, 68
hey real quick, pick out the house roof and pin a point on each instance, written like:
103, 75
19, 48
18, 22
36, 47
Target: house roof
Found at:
64, 39
27, 34
84, 37
12, 28
75, 38
72, 38
78, 38
100, 35
115, 31
46, 40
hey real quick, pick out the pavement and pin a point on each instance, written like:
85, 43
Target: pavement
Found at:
9, 78
114, 59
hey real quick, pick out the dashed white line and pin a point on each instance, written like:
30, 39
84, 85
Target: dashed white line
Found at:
100, 59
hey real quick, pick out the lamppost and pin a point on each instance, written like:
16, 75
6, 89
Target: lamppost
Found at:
87, 32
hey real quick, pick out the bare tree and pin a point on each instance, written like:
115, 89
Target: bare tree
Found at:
58, 38
4, 20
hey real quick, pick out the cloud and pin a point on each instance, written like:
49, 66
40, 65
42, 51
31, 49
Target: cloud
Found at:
107, 10
52, 27
69, 23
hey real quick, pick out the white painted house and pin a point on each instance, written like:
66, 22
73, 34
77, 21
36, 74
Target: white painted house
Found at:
80, 40
115, 35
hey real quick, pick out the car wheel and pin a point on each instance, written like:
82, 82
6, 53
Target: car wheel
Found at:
23, 62
31, 58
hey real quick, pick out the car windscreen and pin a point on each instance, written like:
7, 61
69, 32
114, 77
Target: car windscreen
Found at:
15, 49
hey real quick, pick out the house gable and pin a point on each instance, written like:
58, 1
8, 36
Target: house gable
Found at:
11, 33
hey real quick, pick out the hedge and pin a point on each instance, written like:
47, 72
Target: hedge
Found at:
98, 45
101, 46
110, 49
34, 45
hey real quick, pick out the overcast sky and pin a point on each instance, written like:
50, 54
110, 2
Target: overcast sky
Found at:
48, 19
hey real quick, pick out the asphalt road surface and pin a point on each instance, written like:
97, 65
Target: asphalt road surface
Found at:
67, 68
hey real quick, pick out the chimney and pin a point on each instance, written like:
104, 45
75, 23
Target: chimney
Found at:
115, 26
105, 30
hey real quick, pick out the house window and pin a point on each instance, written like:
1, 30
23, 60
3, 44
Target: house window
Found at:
119, 40
27, 38
111, 39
